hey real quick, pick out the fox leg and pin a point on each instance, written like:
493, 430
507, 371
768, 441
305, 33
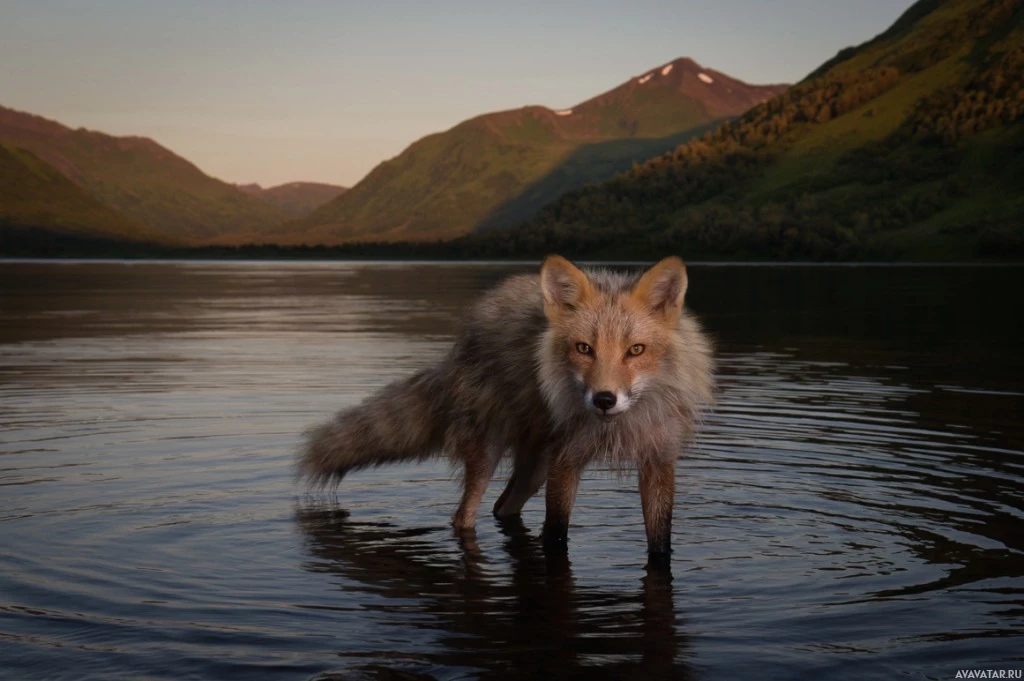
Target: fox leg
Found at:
657, 490
528, 475
563, 481
480, 463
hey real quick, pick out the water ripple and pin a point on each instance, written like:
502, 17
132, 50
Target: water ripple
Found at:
853, 509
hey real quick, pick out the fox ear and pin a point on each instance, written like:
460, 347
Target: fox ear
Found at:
663, 287
564, 285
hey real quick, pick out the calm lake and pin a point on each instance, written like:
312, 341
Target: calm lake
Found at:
853, 509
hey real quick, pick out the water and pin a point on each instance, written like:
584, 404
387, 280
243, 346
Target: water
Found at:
854, 509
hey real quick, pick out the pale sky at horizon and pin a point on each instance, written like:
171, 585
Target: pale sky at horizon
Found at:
273, 92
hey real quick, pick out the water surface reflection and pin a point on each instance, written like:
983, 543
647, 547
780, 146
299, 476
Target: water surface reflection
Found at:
532, 622
853, 509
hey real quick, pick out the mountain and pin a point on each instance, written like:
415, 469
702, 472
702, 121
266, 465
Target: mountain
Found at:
493, 170
39, 203
295, 199
910, 146
139, 179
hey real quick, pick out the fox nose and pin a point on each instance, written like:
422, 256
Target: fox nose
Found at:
604, 400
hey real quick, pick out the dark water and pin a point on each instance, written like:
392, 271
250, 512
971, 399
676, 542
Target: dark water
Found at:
853, 510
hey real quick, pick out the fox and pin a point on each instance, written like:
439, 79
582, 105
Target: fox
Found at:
554, 371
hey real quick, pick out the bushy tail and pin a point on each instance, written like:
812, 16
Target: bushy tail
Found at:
404, 421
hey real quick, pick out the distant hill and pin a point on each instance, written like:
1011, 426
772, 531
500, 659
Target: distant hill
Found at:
140, 179
494, 170
910, 146
295, 199
40, 204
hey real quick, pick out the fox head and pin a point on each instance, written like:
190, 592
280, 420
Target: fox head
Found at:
608, 334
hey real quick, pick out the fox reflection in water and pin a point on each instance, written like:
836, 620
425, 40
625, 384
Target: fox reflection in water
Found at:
532, 623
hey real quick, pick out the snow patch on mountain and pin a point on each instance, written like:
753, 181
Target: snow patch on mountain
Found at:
706, 78
563, 112
665, 71
645, 78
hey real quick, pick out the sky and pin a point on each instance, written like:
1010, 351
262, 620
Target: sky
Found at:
273, 92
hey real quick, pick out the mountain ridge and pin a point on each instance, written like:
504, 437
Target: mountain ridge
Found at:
453, 182
294, 199
910, 145
41, 203
139, 178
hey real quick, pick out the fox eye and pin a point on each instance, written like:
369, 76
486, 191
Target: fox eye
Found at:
583, 349
636, 349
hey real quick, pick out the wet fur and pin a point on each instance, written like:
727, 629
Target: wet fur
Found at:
513, 385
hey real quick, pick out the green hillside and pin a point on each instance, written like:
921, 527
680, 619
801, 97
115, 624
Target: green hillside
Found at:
39, 202
496, 169
139, 179
907, 147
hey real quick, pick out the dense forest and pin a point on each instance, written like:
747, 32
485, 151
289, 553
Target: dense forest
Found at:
907, 147
722, 195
